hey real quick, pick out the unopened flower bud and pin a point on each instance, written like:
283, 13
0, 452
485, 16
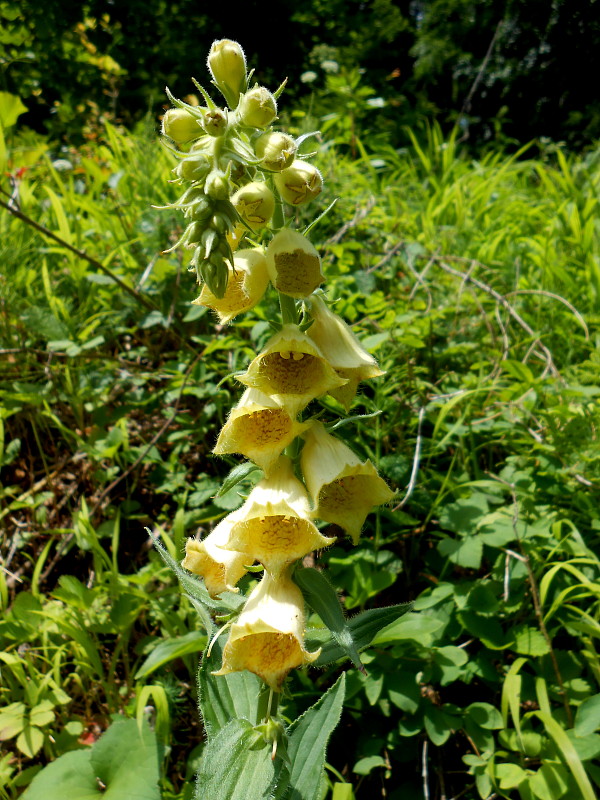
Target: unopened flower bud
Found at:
255, 203
215, 122
181, 126
217, 185
246, 284
227, 65
194, 168
294, 264
299, 183
258, 108
275, 150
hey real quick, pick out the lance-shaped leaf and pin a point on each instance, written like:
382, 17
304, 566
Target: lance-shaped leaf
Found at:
225, 697
321, 597
195, 590
236, 767
307, 743
363, 628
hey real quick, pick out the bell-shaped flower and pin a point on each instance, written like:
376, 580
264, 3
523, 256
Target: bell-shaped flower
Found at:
268, 636
342, 349
274, 525
294, 264
344, 489
259, 429
208, 558
246, 284
292, 370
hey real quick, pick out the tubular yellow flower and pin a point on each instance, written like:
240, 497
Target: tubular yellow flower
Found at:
255, 203
259, 429
299, 183
246, 284
274, 525
292, 370
227, 65
275, 150
342, 349
294, 264
343, 488
220, 568
268, 637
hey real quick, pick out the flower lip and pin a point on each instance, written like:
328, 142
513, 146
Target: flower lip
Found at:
259, 429
291, 370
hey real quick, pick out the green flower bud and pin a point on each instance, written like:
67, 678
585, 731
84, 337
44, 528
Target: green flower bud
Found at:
181, 126
255, 204
258, 108
299, 183
227, 65
217, 185
193, 168
215, 122
275, 150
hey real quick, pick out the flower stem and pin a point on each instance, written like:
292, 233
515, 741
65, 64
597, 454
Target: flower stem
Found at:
289, 312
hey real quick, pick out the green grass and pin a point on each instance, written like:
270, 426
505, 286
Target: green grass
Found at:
475, 283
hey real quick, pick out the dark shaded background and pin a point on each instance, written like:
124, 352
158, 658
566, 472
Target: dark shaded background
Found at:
506, 71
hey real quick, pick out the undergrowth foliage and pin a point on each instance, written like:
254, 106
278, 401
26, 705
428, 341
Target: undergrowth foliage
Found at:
475, 285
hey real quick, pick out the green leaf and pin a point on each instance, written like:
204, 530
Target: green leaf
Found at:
170, 649
530, 642
465, 552
42, 714
404, 691
307, 743
568, 754
485, 715
363, 627
225, 697
196, 590
510, 775
122, 764
231, 770
342, 791
12, 720
11, 108
439, 725
550, 782
365, 765
321, 597
30, 741
419, 627
587, 719
238, 474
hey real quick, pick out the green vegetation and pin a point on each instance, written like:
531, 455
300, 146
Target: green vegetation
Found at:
476, 283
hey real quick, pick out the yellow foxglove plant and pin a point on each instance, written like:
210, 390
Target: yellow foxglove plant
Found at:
239, 178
